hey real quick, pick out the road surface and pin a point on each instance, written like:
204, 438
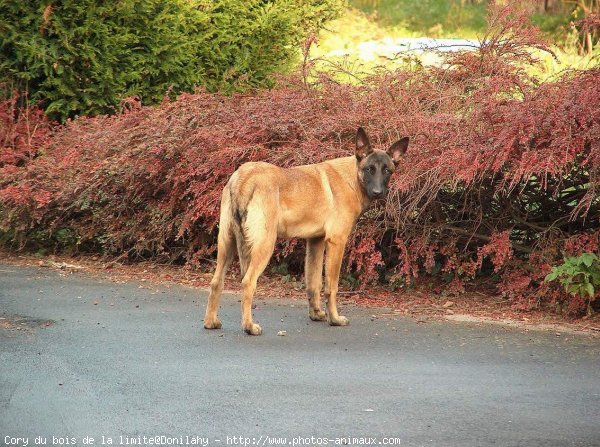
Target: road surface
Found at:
82, 357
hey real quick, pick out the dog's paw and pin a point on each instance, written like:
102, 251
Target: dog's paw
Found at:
317, 315
212, 324
339, 321
253, 329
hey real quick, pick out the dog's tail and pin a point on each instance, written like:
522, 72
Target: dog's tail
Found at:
238, 219
254, 232
239, 201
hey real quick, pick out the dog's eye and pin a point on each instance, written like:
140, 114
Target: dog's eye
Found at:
372, 170
386, 170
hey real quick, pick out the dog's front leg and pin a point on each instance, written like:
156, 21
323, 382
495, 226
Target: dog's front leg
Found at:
335, 252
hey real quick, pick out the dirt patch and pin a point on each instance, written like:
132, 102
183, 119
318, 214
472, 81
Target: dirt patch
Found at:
558, 328
21, 323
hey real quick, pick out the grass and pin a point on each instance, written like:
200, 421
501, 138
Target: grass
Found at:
446, 18
366, 36
432, 18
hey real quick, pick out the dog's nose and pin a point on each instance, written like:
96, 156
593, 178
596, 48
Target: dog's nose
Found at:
377, 193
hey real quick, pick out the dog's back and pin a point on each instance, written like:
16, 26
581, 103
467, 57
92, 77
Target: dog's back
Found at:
300, 200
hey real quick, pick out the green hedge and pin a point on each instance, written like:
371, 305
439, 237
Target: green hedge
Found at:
82, 57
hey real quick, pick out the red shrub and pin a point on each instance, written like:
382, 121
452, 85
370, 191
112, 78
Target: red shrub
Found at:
23, 131
501, 171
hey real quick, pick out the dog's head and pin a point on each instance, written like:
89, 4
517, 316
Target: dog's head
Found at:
375, 167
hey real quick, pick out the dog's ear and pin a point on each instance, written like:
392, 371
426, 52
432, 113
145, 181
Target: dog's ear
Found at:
363, 146
397, 150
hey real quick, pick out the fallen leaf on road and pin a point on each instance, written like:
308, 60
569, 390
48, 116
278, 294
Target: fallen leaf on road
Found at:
65, 266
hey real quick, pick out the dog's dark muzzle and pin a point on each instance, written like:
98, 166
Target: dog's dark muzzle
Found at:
377, 194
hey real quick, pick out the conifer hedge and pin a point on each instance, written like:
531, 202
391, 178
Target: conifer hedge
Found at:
83, 57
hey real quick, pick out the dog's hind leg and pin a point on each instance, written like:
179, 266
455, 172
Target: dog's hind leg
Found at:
313, 277
225, 250
263, 234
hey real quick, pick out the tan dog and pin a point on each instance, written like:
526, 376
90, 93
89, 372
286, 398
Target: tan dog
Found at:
320, 203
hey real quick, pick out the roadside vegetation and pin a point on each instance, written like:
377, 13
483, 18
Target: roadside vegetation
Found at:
499, 186
388, 33
84, 57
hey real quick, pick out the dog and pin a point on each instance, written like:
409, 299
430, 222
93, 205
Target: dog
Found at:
318, 202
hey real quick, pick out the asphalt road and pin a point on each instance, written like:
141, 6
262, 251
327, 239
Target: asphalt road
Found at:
81, 356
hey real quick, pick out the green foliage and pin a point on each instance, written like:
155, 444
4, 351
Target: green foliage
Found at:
555, 25
579, 275
83, 57
465, 19
350, 280
433, 18
249, 40
281, 269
